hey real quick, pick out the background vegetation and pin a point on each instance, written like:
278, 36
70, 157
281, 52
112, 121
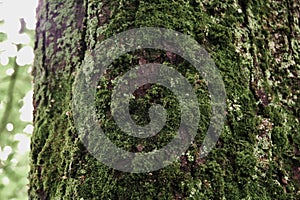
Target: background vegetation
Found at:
16, 56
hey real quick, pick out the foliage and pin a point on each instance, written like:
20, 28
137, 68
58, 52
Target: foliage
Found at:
15, 125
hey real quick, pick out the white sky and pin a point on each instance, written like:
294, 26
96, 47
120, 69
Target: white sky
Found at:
11, 11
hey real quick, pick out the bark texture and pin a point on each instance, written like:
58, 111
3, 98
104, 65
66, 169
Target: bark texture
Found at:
255, 45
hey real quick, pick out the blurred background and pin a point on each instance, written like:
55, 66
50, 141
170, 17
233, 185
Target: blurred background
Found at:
17, 24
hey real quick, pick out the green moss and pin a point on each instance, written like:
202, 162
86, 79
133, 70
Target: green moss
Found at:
256, 151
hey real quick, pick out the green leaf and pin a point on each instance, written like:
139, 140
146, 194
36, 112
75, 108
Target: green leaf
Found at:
3, 36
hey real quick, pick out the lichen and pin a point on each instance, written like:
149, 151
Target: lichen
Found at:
254, 45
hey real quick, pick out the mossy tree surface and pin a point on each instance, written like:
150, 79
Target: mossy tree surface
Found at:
255, 45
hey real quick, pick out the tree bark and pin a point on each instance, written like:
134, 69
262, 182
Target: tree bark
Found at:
255, 45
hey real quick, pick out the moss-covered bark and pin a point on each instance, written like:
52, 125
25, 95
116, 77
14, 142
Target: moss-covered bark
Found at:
255, 45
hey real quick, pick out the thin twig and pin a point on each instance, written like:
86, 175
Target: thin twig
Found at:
10, 97
11, 86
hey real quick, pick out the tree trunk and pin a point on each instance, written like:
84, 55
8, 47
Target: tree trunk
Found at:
255, 45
